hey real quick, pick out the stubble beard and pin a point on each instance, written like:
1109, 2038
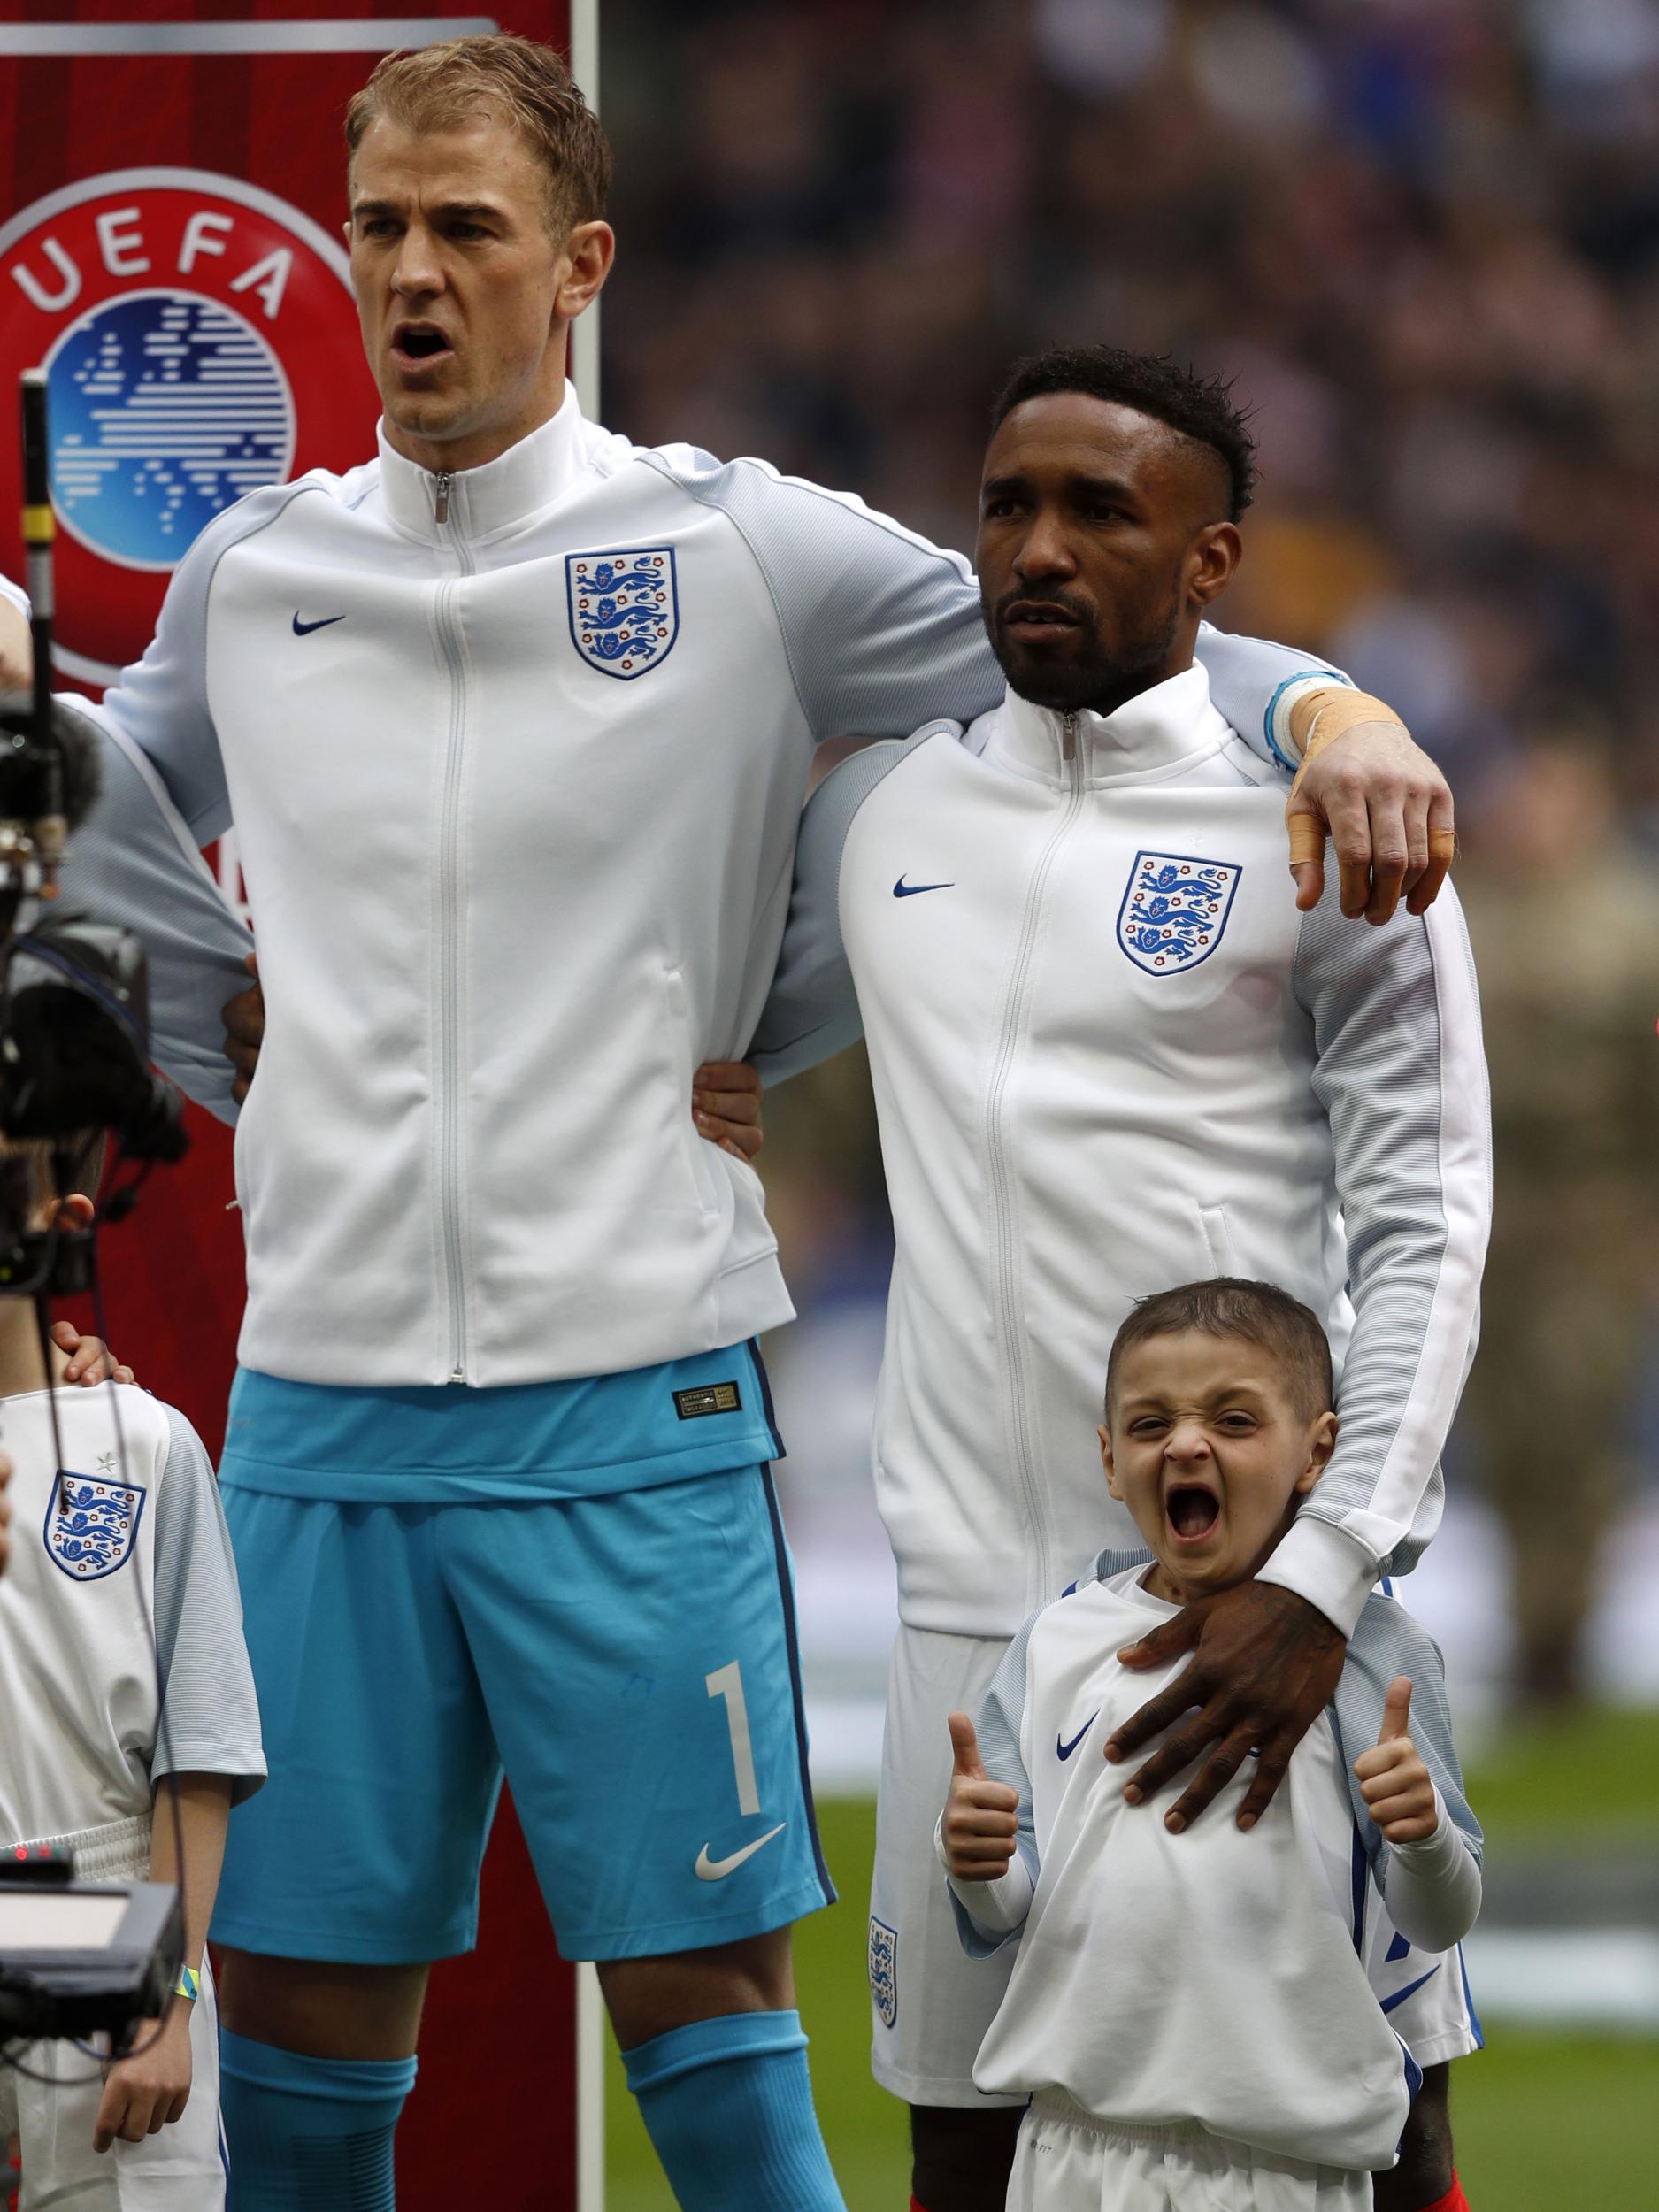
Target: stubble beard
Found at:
1099, 682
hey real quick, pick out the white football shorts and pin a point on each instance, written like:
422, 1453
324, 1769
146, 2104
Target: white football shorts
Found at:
1065, 2162
182, 2168
930, 2003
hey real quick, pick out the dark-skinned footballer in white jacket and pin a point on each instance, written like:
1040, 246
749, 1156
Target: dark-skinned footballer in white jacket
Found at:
1110, 1054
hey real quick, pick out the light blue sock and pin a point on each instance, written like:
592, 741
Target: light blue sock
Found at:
728, 2106
308, 2134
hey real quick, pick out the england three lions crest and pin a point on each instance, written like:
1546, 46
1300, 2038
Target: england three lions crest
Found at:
884, 1970
624, 608
90, 1525
1174, 909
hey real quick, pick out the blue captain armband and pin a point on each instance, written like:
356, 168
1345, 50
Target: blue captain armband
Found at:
189, 1985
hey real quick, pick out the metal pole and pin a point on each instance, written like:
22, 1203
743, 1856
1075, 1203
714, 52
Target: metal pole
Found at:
585, 330
590, 2011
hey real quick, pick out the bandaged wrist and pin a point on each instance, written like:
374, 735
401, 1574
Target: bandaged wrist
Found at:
1318, 717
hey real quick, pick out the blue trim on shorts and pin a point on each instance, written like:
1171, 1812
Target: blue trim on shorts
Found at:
785, 1590
766, 1406
1469, 2001
1360, 1873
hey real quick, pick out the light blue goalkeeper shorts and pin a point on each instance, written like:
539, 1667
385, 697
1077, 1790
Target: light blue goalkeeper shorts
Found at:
628, 1658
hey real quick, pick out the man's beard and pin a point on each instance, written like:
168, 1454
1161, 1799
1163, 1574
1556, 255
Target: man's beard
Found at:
1098, 681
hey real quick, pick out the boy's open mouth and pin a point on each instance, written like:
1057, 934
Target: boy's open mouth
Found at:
1192, 1511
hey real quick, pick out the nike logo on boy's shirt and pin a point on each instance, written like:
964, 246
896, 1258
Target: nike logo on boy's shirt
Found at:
1065, 1750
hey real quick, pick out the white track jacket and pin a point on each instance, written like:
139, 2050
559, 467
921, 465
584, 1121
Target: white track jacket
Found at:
1110, 1057
516, 761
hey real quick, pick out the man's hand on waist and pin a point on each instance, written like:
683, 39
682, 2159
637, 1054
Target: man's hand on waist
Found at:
243, 1018
1264, 1666
725, 1106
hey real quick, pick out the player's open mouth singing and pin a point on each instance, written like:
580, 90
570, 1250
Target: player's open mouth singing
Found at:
1192, 1512
418, 344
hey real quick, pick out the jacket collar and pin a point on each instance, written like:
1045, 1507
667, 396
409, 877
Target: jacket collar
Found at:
516, 484
1174, 721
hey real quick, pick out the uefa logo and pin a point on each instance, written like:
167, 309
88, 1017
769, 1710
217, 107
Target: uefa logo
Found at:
200, 342
164, 409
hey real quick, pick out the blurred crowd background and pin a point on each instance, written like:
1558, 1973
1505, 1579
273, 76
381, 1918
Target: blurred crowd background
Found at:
1423, 237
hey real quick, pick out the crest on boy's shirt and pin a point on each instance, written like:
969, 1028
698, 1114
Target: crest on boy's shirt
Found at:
1174, 909
624, 608
884, 1970
90, 1523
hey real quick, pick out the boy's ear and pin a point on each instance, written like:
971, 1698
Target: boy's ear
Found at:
1107, 1461
1321, 1444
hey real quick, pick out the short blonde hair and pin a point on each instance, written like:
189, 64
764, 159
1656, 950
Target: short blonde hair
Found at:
434, 88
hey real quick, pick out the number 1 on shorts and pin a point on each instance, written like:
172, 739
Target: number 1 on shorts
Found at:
727, 1682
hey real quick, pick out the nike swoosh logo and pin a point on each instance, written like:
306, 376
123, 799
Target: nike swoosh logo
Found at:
1410, 1990
903, 890
1065, 1750
708, 1870
304, 629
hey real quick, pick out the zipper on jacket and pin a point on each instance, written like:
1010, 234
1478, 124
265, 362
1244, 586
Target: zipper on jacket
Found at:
1010, 1320
440, 496
449, 1070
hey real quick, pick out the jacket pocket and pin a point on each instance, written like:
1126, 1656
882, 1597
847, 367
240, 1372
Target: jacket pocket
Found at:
694, 1149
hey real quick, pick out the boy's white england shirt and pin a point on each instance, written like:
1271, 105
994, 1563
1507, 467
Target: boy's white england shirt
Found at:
1216, 1976
121, 1654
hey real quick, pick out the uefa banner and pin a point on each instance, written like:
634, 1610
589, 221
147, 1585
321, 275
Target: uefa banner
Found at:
172, 253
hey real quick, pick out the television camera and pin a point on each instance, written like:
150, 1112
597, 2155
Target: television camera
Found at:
76, 1958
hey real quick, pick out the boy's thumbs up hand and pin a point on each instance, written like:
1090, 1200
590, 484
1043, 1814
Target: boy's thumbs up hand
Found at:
1393, 1779
979, 1823
1396, 1710
965, 1748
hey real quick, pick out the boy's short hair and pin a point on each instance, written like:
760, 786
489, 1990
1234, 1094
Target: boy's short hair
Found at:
1227, 1305
39, 1161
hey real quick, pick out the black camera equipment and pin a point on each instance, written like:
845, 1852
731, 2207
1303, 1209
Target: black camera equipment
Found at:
76, 1958
74, 1030
82, 1958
